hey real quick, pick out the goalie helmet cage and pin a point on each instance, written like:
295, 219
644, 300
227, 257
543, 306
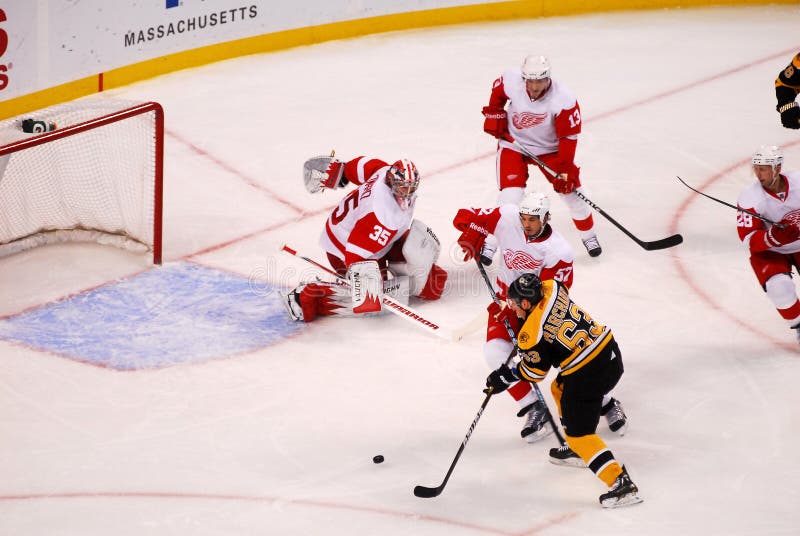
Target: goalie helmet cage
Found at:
98, 176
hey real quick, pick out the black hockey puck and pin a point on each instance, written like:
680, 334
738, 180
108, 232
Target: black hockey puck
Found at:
377, 459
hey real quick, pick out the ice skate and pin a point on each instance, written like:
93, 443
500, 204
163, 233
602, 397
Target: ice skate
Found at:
292, 303
615, 416
535, 422
592, 245
623, 492
564, 455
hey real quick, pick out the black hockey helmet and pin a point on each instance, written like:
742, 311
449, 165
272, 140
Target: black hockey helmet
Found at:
526, 286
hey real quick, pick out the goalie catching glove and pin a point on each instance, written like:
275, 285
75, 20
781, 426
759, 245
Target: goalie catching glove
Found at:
323, 172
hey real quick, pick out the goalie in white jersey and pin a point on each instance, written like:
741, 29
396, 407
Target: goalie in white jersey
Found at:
527, 244
774, 249
371, 238
544, 117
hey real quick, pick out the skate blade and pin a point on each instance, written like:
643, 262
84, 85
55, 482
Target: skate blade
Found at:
538, 434
569, 462
626, 500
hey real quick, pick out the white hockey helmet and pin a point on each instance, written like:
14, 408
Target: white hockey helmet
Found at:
768, 155
403, 178
535, 68
535, 204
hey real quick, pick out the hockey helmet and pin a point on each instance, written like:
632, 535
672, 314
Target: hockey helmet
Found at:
528, 287
403, 178
768, 155
535, 204
535, 68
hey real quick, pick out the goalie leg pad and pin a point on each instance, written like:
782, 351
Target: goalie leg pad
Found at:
366, 284
420, 251
434, 286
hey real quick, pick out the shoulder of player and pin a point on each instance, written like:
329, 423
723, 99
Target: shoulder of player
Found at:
792, 176
559, 247
751, 196
562, 96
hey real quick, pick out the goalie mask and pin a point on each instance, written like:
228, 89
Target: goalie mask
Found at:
403, 178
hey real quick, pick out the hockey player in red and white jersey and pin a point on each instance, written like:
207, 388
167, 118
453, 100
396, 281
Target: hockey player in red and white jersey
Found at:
527, 243
371, 235
774, 249
528, 106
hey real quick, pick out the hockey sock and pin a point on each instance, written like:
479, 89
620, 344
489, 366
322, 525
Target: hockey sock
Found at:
594, 452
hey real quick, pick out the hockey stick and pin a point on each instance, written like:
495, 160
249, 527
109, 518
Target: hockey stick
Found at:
653, 245
425, 492
513, 336
753, 214
394, 306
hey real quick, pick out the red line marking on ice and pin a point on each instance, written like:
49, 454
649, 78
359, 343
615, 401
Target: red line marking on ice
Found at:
694, 84
410, 516
230, 169
685, 273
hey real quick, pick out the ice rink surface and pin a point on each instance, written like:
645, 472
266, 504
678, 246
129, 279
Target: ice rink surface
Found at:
280, 439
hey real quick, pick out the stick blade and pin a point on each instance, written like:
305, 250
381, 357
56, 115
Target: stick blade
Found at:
664, 243
427, 493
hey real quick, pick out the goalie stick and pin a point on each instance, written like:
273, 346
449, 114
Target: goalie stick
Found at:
403, 311
753, 214
652, 245
513, 336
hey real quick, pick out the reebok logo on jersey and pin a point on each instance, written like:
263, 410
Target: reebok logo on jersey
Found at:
520, 261
527, 119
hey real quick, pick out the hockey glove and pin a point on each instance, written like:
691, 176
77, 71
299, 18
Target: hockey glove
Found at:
471, 241
780, 236
563, 184
500, 312
790, 115
496, 122
499, 380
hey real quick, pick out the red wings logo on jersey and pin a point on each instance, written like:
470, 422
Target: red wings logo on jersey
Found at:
792, 217
520, 261
527, 119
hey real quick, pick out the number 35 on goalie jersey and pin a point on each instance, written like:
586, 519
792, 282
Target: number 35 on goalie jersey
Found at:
558, 333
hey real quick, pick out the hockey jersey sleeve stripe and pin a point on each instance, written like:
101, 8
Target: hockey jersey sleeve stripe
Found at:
531, 374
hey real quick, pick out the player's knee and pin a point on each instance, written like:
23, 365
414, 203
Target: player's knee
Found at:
496, 351
780, 289
511, 195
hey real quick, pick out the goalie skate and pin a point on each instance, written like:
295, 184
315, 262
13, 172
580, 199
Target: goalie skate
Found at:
292, 303
623, 492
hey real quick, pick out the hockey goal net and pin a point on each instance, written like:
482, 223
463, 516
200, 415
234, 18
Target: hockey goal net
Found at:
96, 176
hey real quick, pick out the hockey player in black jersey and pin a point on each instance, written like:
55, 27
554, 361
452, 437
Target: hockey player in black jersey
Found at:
787, 86
557, 333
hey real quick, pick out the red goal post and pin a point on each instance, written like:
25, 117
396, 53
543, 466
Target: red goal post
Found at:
97, 176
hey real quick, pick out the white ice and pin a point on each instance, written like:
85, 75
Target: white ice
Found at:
280, 441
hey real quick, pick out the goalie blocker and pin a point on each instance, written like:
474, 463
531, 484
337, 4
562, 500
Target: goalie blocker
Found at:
408, 269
